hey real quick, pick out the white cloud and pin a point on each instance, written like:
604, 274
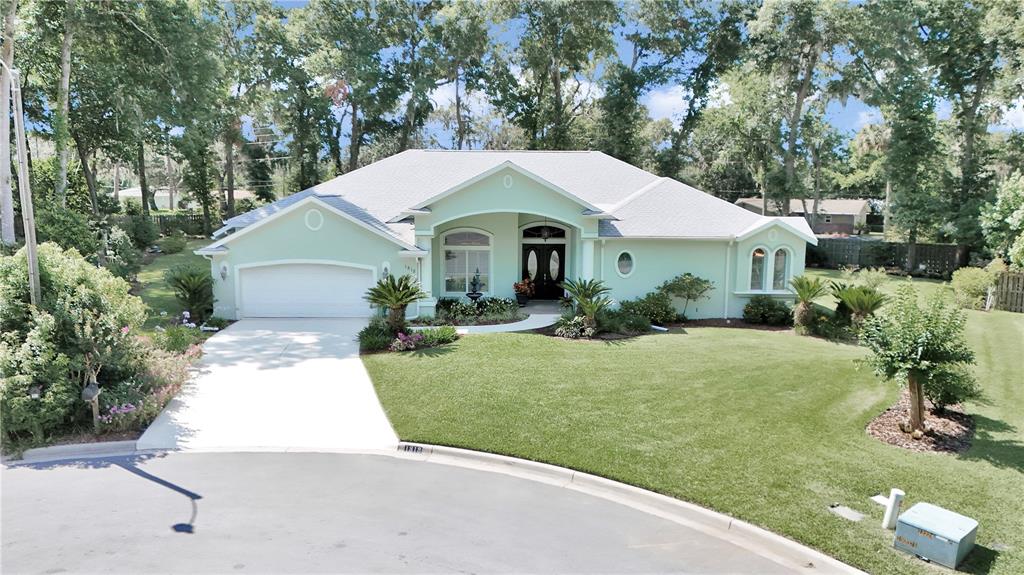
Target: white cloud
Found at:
868, 117
667, 102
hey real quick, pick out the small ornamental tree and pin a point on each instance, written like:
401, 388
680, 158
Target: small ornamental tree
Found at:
395, 293
687, 287
916, 344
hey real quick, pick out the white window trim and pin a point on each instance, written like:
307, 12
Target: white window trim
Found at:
490, 260
766, 273
785, 273
632, 258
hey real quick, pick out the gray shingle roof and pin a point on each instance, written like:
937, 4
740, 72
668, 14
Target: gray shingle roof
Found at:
643, 204
673, 209
826, 206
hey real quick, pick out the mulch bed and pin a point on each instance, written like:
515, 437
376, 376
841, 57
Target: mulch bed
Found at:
949, 431
88, 437
736, 323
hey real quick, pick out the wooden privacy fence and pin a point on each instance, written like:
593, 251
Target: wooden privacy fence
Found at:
191, 224
1010, 292
936, 260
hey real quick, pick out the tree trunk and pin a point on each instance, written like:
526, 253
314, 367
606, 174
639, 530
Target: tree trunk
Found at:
794, 123
916, 402
207, 228
117, 181
140, 166
334, 147
354, 139
171, 186
558, 120
229, 170
887, 209
63, 105
90, 176
396, 318
6, 192
912, 251
460, 128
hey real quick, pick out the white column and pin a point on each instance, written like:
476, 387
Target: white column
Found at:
588, 259
423, 241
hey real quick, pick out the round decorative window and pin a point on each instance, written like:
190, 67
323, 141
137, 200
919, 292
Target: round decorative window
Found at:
314, 219
507, 181
624, 264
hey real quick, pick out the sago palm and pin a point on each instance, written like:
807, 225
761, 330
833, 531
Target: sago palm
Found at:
807, 290
861, 301
588, 297
395, 293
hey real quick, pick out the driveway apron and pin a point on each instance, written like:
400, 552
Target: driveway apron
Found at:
276, 384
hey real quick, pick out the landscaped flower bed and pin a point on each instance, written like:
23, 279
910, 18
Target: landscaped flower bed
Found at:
485, 311
378, 336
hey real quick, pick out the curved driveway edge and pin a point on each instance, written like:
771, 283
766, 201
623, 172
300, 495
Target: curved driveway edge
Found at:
770, 545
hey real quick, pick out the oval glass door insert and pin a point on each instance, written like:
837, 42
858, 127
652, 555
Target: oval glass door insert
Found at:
531, 264
554, 265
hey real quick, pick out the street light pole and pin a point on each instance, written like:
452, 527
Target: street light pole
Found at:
24, 188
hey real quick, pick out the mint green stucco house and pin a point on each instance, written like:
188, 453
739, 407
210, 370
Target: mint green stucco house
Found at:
446, 216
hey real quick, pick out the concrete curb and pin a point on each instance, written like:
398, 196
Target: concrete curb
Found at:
75, 450
770, 545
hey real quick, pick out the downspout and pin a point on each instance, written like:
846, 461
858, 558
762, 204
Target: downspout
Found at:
728, 269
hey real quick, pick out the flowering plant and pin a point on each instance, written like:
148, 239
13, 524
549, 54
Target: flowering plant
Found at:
524, 287
406, 342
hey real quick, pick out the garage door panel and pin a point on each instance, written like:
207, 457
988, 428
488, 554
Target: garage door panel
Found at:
304, 290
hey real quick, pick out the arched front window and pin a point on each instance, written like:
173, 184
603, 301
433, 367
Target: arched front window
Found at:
467, 255
757, 269
780, 270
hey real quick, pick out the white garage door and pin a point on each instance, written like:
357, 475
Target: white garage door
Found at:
304, 290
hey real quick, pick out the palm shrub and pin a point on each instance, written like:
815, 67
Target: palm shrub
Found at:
395, 293
193, 288
861, 302
807, 290
588, 297
916, 344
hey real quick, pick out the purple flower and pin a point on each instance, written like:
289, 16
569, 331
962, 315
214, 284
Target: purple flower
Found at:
125, 330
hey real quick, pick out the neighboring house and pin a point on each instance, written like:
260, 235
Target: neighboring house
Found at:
834, 216
446, 216
161, 196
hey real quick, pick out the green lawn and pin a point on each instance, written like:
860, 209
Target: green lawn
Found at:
155, 292
765, 426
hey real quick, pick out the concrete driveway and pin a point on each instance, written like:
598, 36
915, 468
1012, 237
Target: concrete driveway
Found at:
277, 384
334, 513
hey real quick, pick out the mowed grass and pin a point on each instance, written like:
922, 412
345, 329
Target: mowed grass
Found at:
764, 426
153, 289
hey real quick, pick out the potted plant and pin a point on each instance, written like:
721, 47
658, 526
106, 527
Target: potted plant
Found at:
524, 291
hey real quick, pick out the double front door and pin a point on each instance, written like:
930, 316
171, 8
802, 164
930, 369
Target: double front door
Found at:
545, 265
